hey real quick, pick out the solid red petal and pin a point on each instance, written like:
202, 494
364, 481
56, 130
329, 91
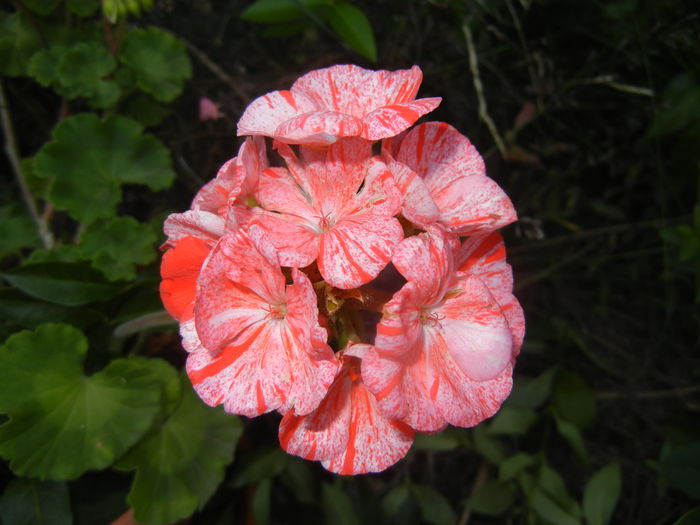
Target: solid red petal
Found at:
388, 121
179, 270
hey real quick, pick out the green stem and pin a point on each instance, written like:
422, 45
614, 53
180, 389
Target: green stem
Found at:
45, 233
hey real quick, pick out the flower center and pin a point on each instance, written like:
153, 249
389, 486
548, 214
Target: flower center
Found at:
276, 311
432, 318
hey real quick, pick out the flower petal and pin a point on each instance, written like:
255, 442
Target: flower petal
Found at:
454, 172
485, 257
357, 248
388, 121
264, 115
292, 236
179, 270
318, 128
194, 223
418, 205
426, 261
347, 432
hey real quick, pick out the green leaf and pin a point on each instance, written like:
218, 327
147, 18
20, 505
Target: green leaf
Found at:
353, 27
398, 504
80, 73
17, 230
280, 11
32, 502
573, 436
549, 510
84, 7
144, 109
42, 7
601, 494
263, 465
261, 502
514, 465
493, 499
31, 313
181, 462
65, 423
117, 246
573, 399
441, 441
551, 482
531, 393
298, 479
487, 445
681, 467
434, 507
43, 64
158, 60
90, 158
337, 506
512, 421
70, 284
18, 42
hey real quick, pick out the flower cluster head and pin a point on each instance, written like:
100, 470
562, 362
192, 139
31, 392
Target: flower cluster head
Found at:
356, 284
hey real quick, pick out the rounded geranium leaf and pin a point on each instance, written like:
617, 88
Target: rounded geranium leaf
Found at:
18, 42
181, 462
42, 66
63, 423
159, 61
90, 158
32, 502
104, 241
81, 69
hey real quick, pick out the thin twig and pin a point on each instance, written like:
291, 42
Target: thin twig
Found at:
526, 51
214, 68
479, 88
13, 154
480, 480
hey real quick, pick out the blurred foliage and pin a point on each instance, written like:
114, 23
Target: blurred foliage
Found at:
588, 116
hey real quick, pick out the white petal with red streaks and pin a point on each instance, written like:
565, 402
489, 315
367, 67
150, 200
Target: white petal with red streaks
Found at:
215, 194
391, 120
357, 248
475, 330
294, 238
347, 432
318, 128
278, 192
454, 172
224, 307
426, 261
196, 223
418, 205
485, 257
264, 115
470, 204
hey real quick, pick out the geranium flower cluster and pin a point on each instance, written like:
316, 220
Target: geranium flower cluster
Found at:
357, 284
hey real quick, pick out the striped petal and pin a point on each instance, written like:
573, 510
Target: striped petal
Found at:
235, 180
201, 224
357, 248
485, 257
265, 114
347, 432
454, 173
262, 349
318, 128
388, 121
418, 205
